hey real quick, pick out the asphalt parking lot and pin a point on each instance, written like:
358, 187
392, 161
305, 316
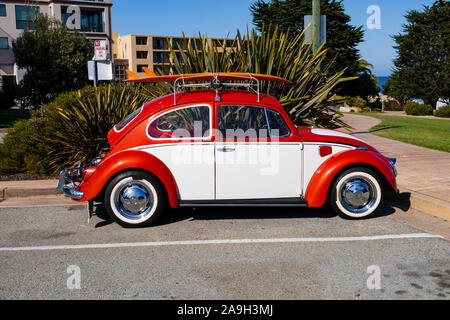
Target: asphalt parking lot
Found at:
228, 253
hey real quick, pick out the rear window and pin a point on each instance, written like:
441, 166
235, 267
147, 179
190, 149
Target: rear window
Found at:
191, 122
127, 120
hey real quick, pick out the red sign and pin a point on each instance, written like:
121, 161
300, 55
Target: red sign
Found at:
100, 50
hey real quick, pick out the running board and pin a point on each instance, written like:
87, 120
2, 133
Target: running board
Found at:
290, 202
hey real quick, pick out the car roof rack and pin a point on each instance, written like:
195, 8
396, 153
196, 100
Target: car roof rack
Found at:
215, 81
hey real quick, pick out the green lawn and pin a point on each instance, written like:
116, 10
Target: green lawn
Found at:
429, 133
7, 119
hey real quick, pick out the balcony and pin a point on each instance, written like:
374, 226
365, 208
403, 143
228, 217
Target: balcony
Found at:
91, 19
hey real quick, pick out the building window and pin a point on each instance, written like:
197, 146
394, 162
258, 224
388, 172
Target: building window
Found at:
91, 19
141, 41
140, 67
2, 10
3, 43
141, 54
158, 57
177, 44
179, 57
158, 44
25, 16
120, 71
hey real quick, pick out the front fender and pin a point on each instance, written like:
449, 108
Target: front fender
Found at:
129, 160
318, 187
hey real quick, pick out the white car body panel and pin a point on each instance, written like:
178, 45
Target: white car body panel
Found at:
312, 159
245, 171
192, 166
258, 171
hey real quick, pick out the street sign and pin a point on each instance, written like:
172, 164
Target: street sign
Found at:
100, 70
100, 50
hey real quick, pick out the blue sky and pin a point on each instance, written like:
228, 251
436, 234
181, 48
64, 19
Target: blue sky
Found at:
221, 18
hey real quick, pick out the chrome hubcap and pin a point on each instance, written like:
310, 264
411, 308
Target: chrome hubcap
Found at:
358, 195
134, 200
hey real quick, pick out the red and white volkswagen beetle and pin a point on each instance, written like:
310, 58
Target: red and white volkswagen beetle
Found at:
222, 147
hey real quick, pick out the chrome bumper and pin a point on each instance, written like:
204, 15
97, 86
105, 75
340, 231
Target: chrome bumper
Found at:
69, 192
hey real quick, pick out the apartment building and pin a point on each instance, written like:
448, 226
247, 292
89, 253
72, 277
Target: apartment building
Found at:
91, 17
153, 52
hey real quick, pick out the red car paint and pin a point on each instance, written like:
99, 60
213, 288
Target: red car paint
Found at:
121, 158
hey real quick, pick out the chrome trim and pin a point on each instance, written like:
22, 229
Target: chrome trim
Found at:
358, 195
134, 200
64, 189
215, 84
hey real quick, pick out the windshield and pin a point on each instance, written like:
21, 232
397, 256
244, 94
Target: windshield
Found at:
127, 120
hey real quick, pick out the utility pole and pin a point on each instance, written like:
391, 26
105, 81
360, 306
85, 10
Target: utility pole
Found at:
316, 25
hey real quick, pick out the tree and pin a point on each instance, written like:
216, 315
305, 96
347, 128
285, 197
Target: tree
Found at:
395, 89
421, 69
272, 52
342, 38
55, 60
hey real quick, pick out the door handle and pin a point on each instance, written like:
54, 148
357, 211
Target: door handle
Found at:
226, 149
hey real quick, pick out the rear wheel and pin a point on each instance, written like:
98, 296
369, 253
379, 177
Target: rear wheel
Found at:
357, 193
134, 199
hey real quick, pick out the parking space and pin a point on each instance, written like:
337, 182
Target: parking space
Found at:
260, 253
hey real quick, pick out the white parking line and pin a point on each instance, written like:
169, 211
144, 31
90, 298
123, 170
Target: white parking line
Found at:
232, 241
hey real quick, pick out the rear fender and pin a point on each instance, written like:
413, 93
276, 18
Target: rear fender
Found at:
320, 183
125, 161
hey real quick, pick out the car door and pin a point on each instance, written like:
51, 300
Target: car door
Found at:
183, 140
257, 156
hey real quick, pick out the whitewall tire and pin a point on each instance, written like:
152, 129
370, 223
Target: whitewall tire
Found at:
357, 193
134, 199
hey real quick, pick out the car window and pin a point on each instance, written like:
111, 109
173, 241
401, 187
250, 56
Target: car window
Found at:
242, 122
278, 127
191, 122
127, 120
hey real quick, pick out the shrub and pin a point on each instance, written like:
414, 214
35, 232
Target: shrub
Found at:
392, 105
72, 128
443, 112
366, 109
375, 104
24, 147
377, 110
413, 108
80, 121
355, 101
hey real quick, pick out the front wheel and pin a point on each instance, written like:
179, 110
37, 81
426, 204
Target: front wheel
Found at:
357, 193
134, 199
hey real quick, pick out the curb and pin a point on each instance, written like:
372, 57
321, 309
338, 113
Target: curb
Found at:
13, 193
425, 203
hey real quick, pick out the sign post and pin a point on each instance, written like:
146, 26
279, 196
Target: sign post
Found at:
316, 25
99, 68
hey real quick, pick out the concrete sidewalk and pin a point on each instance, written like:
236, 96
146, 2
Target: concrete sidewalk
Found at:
423, 172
